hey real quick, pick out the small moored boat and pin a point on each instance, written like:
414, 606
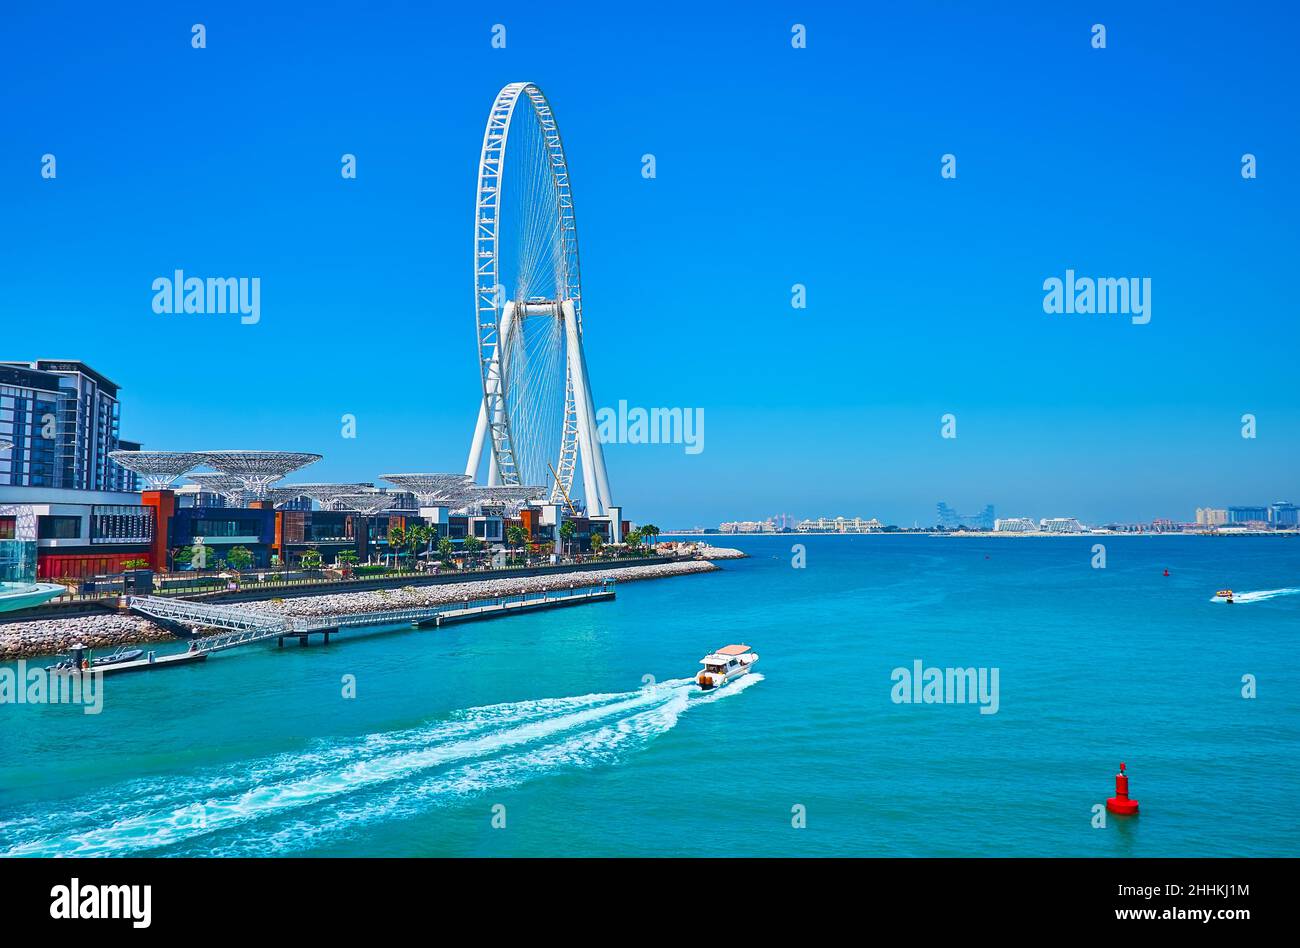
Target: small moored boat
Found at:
83, 660
728, 662
122, 654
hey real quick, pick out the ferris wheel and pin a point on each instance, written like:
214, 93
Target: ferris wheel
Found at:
537, 416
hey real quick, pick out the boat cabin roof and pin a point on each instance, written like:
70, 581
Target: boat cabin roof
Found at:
723, 655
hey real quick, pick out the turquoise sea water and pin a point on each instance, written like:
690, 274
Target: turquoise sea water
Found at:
547, 716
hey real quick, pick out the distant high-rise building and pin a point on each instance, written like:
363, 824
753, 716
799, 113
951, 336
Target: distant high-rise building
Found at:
839, 525
1211, 516
950, 519
1014, 525
748, 526
1248, 514
62, 417
1284, 514
1060, 525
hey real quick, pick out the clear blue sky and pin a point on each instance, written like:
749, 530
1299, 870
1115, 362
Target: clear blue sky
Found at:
775, 166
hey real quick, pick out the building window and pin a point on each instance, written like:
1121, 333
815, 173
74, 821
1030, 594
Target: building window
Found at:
58, 528
227, 528
121, 524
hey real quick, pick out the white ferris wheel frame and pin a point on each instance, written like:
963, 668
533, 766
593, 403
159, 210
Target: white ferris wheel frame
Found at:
495, 316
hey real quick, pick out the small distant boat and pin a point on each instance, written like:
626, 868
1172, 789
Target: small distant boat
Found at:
1225, 595
728, 662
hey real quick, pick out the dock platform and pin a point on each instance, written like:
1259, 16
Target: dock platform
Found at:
159, 661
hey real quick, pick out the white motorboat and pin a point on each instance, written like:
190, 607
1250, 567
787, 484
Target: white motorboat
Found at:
728, 662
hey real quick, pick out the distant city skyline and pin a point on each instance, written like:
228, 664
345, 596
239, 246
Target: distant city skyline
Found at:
1278, 514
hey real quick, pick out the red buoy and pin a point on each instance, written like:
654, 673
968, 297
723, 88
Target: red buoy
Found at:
1166, 572
1120, 803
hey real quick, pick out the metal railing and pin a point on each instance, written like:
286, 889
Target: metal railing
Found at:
183, 584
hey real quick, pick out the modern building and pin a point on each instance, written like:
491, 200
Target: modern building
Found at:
1211, 516
748, 526
80, 533
1249, 514
29, 411
63, 419
1015, 525
839, 525
949, 519
1061, 525
18, 586
1284, 515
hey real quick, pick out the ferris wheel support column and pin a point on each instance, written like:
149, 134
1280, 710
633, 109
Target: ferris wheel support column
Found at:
595, 480
491, 411
497, 379
480, 438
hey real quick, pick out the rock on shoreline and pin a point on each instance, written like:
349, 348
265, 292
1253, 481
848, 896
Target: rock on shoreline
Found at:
722, 553
106, 630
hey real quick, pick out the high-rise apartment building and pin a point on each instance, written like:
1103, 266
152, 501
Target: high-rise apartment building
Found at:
61, 418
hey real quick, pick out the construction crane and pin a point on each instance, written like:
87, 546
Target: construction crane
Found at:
563, 493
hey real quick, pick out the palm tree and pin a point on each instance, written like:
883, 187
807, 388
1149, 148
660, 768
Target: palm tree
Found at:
446, 548
567, 531
430, 537
516, 537
597, 543
650, 531
396, 540
417, 538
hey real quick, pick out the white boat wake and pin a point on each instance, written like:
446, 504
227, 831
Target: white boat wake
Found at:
1261, 595
261, 807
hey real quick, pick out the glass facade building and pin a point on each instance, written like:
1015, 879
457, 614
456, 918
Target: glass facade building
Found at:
17, 562
17, 546
29, 411
63, 419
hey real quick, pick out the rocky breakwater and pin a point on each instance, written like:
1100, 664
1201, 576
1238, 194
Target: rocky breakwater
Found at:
57, 636
412, 597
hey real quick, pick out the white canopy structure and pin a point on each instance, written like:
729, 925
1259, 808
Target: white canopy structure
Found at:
159, 468
449, 490
326, 495
257, 470
279, 496
366, 504
508, 494
536, 414
228, 486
